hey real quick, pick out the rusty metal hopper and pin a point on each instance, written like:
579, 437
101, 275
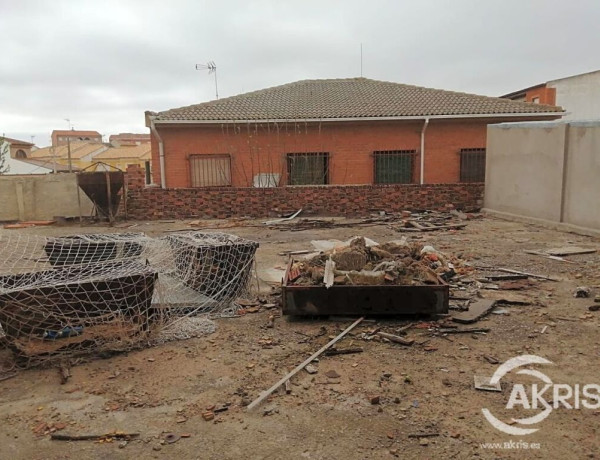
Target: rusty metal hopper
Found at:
103, 189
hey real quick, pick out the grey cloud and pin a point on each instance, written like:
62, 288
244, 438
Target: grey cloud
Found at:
102, 63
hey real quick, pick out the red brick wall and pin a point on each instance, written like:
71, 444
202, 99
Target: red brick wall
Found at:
350, 200
258, 147
544, 94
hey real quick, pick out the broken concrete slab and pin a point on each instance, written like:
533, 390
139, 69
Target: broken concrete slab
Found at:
483, 383
477, 310
570, 251
508, 297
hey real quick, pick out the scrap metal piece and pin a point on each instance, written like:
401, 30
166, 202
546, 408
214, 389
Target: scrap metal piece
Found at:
170, 438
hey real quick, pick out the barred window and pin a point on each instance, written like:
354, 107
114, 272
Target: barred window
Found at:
210, 170
394, 166
308, 168
472, 165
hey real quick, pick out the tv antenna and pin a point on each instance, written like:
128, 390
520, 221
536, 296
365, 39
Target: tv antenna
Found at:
212, 68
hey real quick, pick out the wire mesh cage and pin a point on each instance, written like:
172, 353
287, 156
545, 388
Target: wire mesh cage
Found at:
75, 295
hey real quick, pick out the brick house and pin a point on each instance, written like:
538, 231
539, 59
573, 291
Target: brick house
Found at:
120, 139
352, 131
63, 137
579, 95
18, 149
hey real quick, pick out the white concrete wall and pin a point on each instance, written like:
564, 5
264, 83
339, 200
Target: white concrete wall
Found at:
41, 197
545, 171
579, 95
582, 175
524, 168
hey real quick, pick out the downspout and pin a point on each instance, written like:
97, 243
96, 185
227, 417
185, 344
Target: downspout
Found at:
161, 153
425, 124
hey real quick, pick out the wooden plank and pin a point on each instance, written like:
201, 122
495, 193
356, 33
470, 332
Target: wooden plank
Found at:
302, 365
470, 330
506, 277
477, 310
506, 270
396, 339
92, 437
547, 256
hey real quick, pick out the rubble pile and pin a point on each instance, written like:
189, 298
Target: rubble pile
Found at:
391, 263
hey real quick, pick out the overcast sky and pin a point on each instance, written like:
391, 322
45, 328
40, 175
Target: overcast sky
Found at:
103, 63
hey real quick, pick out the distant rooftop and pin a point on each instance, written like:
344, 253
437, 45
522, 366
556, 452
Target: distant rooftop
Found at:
16, 141
78, 150
142, 151
74, 132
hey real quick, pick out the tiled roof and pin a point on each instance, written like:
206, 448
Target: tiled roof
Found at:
78, 150
141, 151
129, 137
15, 141
348, 98
49, 164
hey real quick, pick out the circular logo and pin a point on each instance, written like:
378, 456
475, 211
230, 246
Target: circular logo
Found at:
505, 368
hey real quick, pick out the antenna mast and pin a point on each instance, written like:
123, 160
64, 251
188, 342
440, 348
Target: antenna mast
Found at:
212, 68
361, 74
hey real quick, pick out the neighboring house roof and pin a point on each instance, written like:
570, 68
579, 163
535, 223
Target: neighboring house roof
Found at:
349, 98
521, 92
142, 151
16, 141
17, 166
78, 150
49, 164
73, 132
129, 136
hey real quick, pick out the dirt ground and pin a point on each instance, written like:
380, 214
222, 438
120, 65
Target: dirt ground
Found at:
426, 388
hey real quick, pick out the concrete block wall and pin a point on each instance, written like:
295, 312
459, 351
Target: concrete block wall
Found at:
40, 197
545, 171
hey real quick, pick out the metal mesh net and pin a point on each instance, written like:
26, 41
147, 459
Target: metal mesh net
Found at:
71, 296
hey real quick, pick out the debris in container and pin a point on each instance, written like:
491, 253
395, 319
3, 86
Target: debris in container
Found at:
395, 278
358, 264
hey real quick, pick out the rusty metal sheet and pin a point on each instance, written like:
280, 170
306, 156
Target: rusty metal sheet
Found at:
94, 185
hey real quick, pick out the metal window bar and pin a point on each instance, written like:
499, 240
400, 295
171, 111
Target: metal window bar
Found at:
148, 172
308, 168
210, 170
472, 165
394, 166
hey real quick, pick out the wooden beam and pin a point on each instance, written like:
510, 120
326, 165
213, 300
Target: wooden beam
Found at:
301, 366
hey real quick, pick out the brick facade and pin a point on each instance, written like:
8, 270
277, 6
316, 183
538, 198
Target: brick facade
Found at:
344, 200
541, 95
262, 147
